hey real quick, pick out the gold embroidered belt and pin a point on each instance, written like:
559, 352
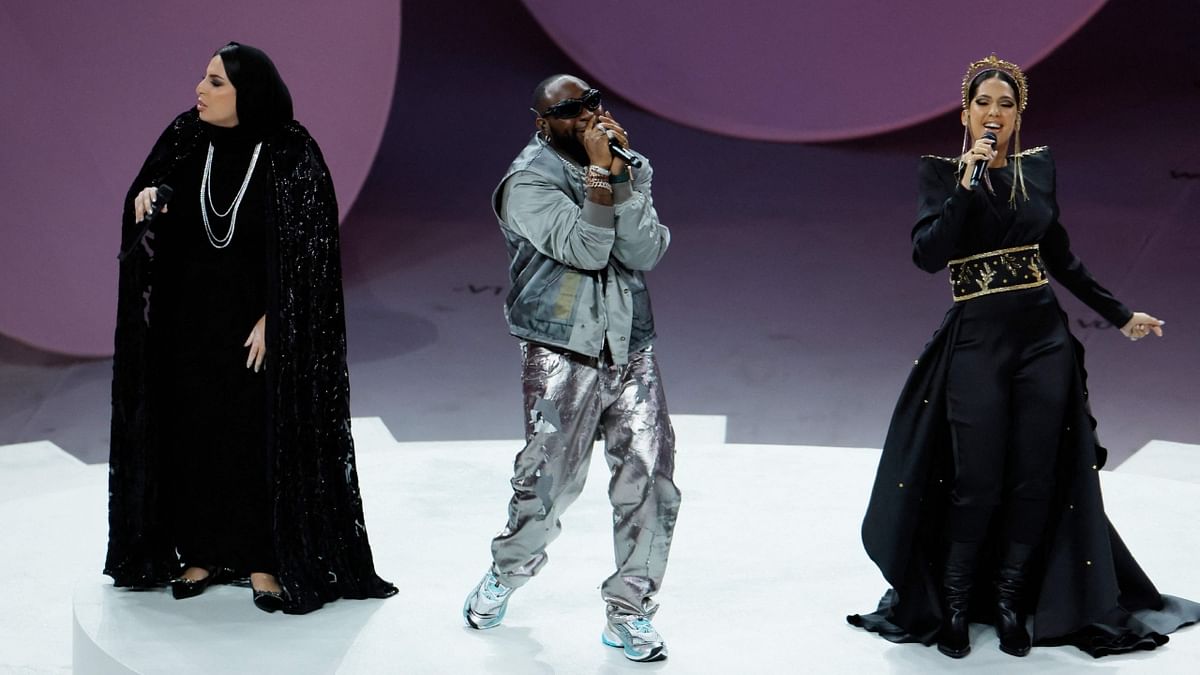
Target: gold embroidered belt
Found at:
1009, 269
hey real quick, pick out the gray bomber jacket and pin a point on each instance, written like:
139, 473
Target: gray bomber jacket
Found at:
576, 266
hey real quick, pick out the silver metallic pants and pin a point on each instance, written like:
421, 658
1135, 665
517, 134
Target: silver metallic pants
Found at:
569, 399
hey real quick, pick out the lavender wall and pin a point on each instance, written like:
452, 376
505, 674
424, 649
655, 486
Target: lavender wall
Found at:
89, 86
98, 81
804, 70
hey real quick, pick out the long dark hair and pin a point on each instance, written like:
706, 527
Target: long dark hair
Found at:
263, 100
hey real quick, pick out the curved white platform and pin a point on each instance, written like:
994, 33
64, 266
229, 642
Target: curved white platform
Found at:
766, 564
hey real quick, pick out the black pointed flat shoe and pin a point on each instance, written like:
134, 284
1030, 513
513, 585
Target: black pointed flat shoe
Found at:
267, 601
183, 588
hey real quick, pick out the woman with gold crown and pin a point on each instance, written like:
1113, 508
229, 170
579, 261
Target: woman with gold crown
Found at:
986, 504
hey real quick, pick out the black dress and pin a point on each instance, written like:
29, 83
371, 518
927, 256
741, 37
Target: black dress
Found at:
187, 307
1003, 378
213, 421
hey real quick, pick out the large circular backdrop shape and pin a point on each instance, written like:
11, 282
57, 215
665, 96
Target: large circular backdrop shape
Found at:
89, 86
801, 70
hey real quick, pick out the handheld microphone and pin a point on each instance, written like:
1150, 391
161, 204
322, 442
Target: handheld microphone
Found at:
160, 200
980, 167
630, 158
617, 149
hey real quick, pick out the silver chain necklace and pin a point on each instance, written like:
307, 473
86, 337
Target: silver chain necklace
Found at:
574, 170
206, 200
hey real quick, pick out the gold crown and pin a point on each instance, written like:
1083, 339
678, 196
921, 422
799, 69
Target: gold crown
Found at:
1008, 68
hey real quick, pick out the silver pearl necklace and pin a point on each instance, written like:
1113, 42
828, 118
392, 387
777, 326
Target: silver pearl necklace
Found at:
206, 200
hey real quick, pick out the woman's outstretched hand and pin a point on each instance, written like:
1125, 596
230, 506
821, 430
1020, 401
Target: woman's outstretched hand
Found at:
1140, 325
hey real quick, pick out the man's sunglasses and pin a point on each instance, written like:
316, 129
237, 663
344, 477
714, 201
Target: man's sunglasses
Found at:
573, 107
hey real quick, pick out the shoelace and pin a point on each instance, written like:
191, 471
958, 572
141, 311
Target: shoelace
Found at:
492, 590
642, 626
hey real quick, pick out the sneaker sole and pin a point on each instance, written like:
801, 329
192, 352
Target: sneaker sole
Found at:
656, 654
477, 622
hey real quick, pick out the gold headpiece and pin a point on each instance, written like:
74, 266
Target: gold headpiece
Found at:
1014, 71
1008, 68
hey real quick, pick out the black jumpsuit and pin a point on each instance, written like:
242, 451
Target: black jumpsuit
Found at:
1012, 359
992, 437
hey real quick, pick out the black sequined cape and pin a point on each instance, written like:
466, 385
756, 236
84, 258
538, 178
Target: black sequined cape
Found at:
320, 538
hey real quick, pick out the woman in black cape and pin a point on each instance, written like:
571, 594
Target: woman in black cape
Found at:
231, 454
986, 504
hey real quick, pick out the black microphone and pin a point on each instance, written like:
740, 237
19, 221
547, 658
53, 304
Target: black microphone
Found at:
615, 146
980, 167
160, 200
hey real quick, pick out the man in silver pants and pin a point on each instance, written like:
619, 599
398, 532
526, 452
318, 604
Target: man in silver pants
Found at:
581, 229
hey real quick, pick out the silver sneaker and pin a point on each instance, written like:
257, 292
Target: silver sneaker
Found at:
636, 635
485, 606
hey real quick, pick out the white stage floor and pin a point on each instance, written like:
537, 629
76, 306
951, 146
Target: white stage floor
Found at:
766, 564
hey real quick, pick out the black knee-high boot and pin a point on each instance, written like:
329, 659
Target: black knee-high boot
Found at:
954, 640
1010, 581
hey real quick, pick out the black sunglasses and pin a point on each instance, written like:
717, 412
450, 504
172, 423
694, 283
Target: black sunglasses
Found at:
573, 107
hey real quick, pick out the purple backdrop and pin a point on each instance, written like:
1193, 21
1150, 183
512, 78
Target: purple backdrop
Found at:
788, 301
805, 70
89, 86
